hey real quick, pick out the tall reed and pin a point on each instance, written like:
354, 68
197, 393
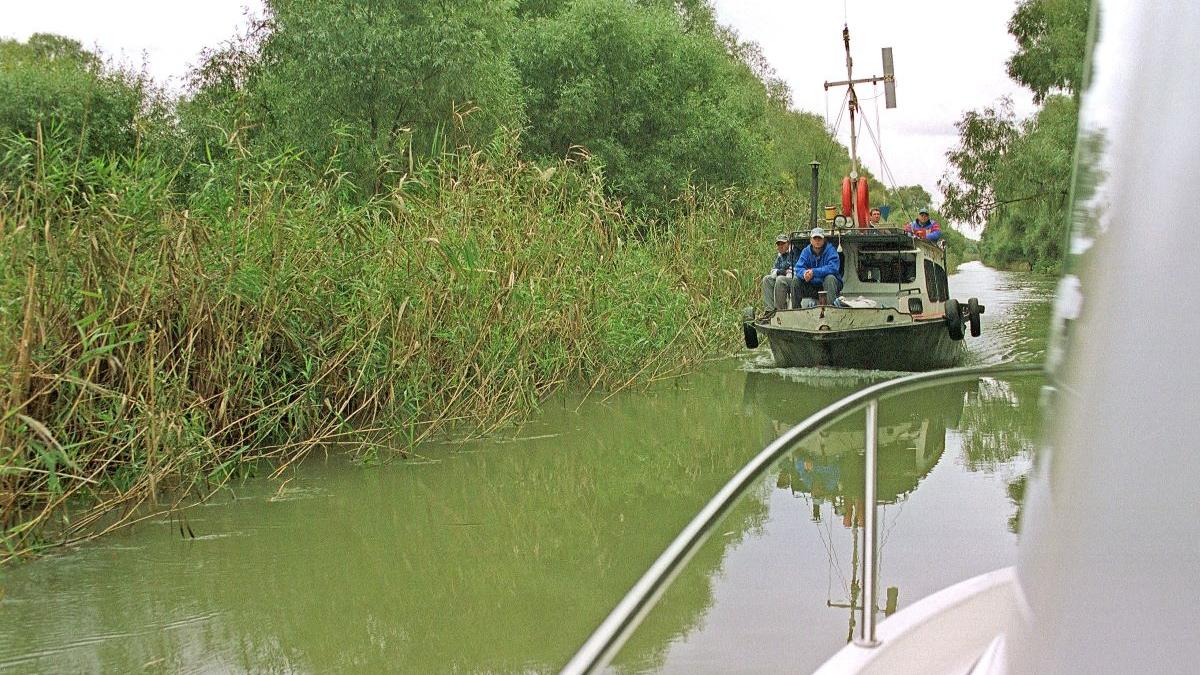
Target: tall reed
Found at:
156, 341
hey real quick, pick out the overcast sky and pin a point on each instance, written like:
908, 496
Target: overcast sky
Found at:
165, 35
949, 55
949, 58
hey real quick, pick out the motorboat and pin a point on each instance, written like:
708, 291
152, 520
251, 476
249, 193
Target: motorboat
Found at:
895, 311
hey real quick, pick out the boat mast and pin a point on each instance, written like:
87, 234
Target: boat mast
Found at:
853, 106
889, 85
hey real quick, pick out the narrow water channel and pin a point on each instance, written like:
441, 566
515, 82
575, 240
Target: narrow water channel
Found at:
501, 555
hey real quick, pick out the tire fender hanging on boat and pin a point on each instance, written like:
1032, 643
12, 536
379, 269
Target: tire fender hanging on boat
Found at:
748, 333
954, 320
847, 196
974, 309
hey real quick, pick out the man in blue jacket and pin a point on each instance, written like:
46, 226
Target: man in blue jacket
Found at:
817, 268
923, 227
779, 284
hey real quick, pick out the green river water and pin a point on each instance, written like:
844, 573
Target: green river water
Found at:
501, 555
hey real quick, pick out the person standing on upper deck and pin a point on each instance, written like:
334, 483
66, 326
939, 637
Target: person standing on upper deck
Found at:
923, 227
818, 268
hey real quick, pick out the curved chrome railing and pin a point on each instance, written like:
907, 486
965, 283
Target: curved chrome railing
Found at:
609, 637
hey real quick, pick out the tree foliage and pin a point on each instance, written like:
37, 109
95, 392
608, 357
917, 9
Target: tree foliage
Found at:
907, 201
985, 137
661, 99
362, 79
659, 106
51, 82
1013, 175
1034, 178
1051, 40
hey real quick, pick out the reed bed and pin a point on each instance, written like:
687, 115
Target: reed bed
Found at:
158, 340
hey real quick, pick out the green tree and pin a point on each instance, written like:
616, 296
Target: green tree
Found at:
359, 78
1035, 180
794, 140
906, 201
694, 15
53, 83
1051, 41
984, 140
659, 107
1013, 175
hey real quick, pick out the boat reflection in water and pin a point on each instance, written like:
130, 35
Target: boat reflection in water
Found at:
912, 438
827, 469
829, 466
790, 575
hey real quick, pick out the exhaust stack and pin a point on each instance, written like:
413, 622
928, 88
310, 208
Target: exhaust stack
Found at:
816, 170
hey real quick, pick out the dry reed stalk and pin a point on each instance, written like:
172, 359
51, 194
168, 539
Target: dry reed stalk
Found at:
16, 399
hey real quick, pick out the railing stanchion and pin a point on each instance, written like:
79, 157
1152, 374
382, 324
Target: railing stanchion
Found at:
870, 529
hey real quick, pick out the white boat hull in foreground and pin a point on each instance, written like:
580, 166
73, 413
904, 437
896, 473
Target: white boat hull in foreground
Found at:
946, 632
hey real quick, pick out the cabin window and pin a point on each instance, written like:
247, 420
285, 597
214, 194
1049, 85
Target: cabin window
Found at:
888, 267
935, 282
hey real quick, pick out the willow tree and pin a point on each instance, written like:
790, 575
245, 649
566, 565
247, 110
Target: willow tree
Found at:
1013, 175
660, 107
1051, 40
363, 78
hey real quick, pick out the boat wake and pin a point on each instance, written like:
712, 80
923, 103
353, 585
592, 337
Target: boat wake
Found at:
761, 361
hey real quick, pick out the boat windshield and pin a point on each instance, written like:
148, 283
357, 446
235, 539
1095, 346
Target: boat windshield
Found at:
889, 267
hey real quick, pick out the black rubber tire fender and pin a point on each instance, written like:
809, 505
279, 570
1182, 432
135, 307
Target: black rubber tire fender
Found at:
748, 333
954, 322
973, 312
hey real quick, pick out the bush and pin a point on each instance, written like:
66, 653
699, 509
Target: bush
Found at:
51, 82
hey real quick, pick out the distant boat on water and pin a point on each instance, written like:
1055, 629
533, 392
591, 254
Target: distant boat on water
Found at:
895, 311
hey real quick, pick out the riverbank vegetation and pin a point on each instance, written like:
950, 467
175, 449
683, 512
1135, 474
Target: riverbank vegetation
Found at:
336, 238
1013, 175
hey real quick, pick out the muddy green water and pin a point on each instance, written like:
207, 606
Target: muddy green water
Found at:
501, 555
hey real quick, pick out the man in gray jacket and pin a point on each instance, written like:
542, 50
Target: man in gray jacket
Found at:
778, 286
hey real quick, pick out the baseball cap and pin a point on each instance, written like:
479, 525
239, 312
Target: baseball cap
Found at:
924, 209
817, 232
781, 238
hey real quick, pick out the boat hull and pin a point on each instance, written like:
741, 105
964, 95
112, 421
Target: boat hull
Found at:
923, 345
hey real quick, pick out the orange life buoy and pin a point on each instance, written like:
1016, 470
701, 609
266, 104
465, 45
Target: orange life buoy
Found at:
864, 203
847, 196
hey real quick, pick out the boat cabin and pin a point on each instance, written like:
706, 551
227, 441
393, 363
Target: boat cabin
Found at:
890, 269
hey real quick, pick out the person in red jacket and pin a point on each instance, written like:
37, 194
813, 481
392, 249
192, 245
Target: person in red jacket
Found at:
923, 227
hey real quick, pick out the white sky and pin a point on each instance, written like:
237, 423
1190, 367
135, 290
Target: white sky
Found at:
165, 35
949, 55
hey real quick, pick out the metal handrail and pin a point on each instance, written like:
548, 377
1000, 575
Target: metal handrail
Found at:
610, 636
